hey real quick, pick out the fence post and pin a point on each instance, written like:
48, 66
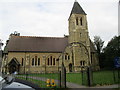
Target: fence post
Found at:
114, 75
26, 76
89, 75
119, 76
63, 76
82, 75
59, 80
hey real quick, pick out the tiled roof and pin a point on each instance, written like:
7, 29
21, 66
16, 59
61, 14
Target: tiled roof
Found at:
36, 44
77, 9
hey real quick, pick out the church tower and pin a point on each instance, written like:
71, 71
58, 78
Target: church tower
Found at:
78, 35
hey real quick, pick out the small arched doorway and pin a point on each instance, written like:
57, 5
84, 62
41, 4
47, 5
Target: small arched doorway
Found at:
70, 67
13, 66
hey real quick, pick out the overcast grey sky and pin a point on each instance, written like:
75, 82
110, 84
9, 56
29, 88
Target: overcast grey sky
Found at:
50, 17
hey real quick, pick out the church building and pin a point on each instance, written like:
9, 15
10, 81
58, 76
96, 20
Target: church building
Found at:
46, 54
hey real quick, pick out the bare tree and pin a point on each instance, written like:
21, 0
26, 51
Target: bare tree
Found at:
98, 42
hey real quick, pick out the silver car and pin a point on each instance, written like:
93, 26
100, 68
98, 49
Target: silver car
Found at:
7, 83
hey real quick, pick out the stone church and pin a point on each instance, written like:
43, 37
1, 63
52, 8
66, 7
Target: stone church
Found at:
46, 54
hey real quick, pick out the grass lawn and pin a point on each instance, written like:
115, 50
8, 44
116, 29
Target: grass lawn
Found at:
105, 77
74, 78
41, 84
38, 82
99, 77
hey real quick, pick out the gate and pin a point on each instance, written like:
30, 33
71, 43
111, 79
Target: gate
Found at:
87, 76
83, 77
102, 77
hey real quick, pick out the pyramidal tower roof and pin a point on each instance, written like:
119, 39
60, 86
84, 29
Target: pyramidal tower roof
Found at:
77, 9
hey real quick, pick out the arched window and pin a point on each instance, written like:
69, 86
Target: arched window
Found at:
80, 34
48, 61
35, 60
38, 61
67, 56
22, 62
82, 63
77, 21
32, 61
81, 21
51, 60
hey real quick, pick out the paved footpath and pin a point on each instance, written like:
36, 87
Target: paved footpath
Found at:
73, 85
108, 86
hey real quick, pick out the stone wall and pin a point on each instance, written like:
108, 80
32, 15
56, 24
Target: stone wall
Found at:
27, 62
